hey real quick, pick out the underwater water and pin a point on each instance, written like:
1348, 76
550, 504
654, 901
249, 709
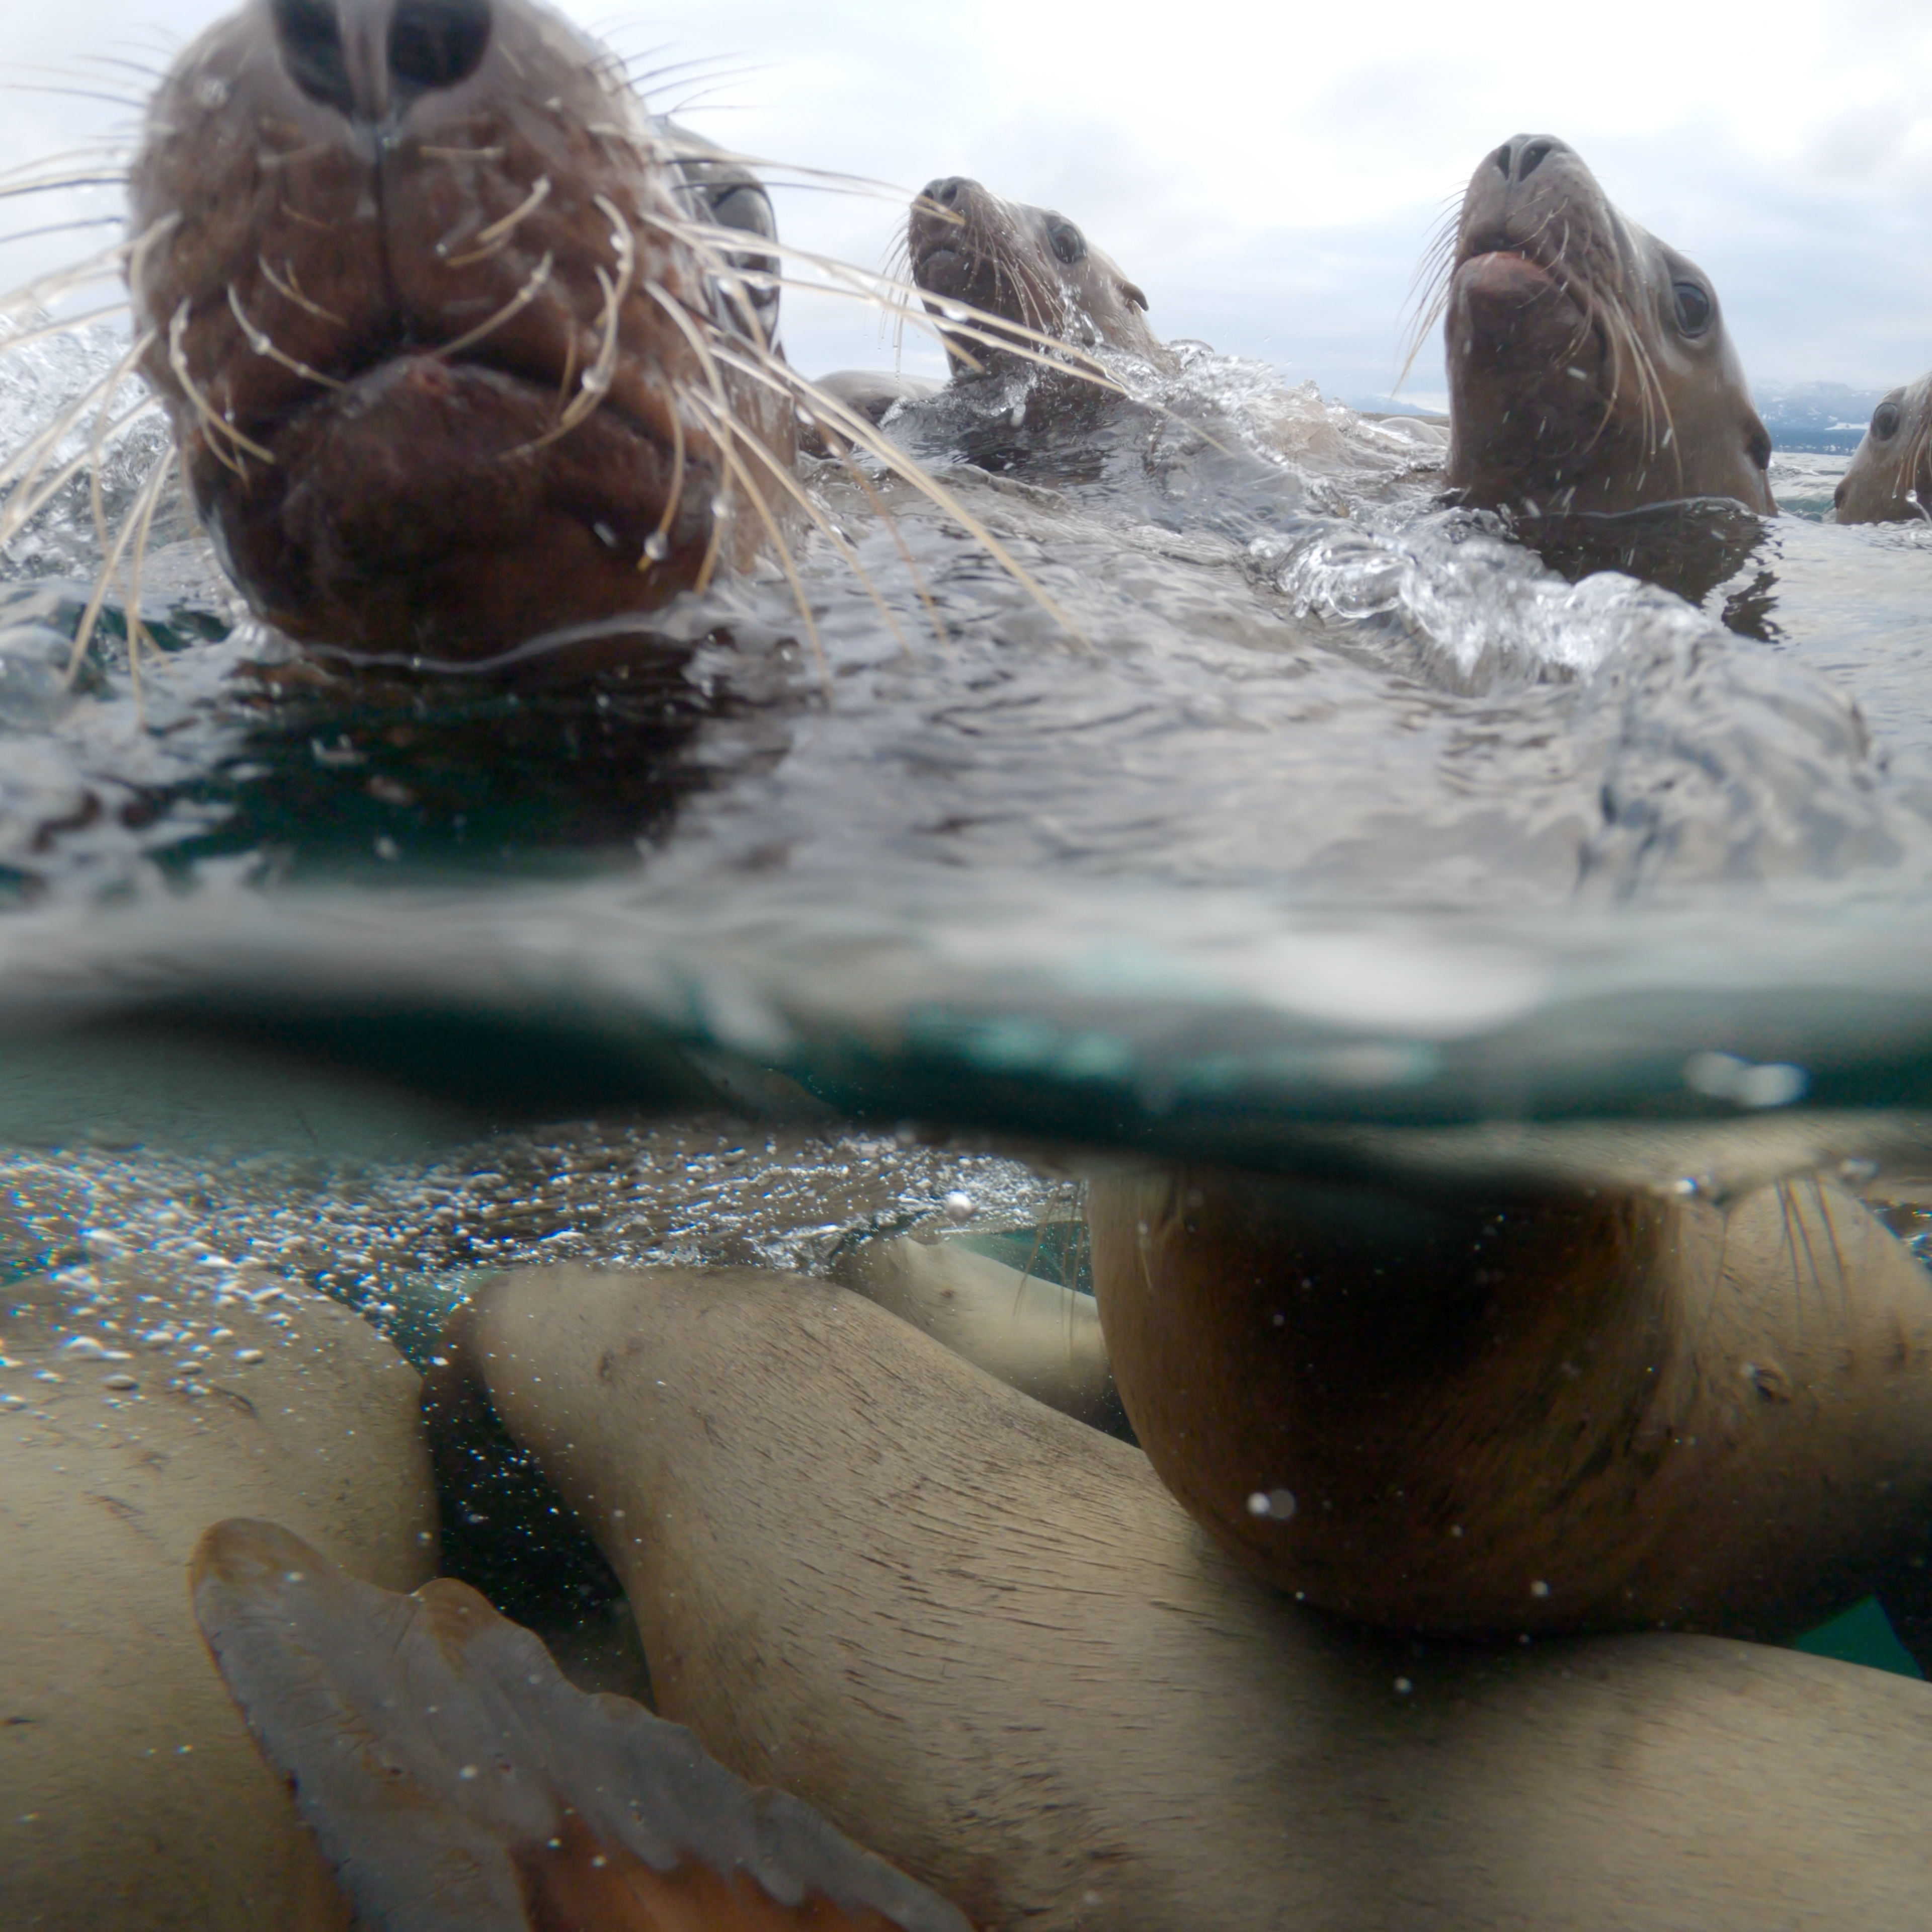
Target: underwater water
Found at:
1250, 811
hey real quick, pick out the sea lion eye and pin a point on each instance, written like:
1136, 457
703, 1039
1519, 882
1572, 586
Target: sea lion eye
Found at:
745, 206
1694, 307
1885, 420
1759, 448
1067, 242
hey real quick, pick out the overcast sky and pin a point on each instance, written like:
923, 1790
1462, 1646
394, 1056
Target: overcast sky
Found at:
1270, 174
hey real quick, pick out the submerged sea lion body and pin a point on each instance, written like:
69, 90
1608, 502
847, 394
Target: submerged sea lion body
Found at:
1579, 1402
1589, 370
1889, 479
132, 1798
448, 365
985, 1641
1029, 266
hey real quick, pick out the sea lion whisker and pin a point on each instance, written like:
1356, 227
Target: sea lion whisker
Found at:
25, 462
776, 373
533, 287
1912, 463
138, 638
858, 430
489, 240
150, 74
641, 78
217, 427
1652, 399
1839, 1261
45, 290
492, 154
726, 425
97, 442
1791, 1255
686, 102
595, 382
60, 228
291, 290
908, 301
782, 378
75, 167
1428, 295
151, 486
657, 544
787, 481
43, 88
259, 340
566, 376
26, 502
295, 149
67, 325
687, 326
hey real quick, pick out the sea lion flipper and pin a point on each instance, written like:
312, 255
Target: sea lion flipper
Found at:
457, 1783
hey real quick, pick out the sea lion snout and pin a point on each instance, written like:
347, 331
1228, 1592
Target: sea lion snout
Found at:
1515, 191
1521, 155
369, 59
946, 191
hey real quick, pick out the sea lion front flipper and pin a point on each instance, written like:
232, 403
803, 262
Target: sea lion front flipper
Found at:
1035, 1335
457, 1783
982, 1638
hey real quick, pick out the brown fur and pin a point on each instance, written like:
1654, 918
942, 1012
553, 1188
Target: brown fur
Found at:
983, 1640
132, 1798
1579, 1402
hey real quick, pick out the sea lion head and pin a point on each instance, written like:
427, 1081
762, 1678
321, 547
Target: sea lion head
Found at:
454, 355
1889, 480
1027, 265
1589, 370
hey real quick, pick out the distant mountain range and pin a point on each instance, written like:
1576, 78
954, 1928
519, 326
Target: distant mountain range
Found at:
1816, 415
1799, 415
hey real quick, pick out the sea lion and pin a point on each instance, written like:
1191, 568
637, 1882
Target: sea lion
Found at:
1034, 1335
452, 1777
1028, 266
983, 1640
1889, 480
453, 357
132, 1798
1569, 1392
1589, 369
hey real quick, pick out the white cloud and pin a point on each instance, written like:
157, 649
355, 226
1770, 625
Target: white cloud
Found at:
1269, 175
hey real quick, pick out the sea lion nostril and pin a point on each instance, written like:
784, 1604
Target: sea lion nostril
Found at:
1534, 155
1502, 157
435, 44
308, 33
947, 189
